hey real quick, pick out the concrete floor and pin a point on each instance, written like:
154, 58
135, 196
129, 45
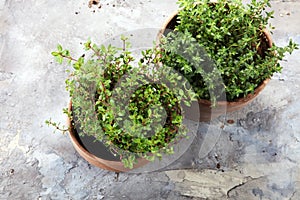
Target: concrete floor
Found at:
257, 157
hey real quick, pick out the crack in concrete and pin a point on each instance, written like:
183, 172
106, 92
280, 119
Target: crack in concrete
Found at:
291, 197
74, 165
241, 184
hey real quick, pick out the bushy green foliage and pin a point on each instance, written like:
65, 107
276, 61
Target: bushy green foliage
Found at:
126, 107
231, 36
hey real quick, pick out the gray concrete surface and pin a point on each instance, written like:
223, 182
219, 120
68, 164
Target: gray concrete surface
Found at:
256, 157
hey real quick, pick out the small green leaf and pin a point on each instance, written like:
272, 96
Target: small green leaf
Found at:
54, 53
124, 38
59, 59
59, 48
87, 45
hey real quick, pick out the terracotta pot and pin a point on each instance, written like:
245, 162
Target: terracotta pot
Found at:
116, 166
206, 112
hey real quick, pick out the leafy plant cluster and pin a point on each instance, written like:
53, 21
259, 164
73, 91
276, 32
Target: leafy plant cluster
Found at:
127, 108
136, 110
231, 36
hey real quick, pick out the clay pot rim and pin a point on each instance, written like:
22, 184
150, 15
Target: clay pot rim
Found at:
248, 98
116, 166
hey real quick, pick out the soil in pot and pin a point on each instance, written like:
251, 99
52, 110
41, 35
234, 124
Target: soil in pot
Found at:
95, 147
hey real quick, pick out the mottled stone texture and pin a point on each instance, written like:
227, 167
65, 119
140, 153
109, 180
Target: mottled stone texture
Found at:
256, 156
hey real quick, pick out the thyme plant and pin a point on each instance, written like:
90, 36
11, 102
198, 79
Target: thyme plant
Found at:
231, 36
130, 109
